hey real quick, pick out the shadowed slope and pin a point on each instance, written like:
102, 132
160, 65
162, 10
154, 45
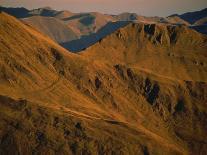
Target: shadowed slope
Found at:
202, 21
16, 12
176, 20
200, 28
192, 17
88, 40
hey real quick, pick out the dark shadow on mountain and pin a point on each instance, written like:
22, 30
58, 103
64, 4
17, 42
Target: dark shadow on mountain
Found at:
46, 12
23, 12
200, 28
16, 12
86, 41
88, 20
192, 17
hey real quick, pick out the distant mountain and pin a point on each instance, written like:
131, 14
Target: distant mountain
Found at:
192, 17
88, 23
126, 16
80, 23
16, 12
144, 19
77, 31
200, 28
202, 21
53, 27
176, 20
46, 11
88, 40
63, 14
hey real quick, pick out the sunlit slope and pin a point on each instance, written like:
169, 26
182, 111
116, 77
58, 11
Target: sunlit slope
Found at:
53, 101
52, 27
173, 51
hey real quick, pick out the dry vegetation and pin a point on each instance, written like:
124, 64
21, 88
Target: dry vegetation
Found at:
140, 90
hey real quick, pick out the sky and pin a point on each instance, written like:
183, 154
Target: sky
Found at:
142, 7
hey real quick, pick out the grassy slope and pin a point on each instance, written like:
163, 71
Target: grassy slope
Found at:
59, 102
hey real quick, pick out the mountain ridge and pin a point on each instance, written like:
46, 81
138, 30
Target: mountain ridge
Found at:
127, 94
89, 24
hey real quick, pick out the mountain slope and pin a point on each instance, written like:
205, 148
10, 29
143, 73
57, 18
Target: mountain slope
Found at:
16, 12
175, 57
176, 20
54, 28
88, 23
202, 21
88, 40
56, 102
151, 45
192, 17
48, 80
63, 14
45, 12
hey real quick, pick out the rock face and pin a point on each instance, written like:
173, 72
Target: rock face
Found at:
140, 90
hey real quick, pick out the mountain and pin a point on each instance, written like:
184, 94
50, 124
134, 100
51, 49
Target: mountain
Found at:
53, 27
48, 21
45, 11
173, 55
153, 43
201, 25
176, 20
200, 28
196, 19
126, 16
88, 40
192, 17
64, 14
202, 21
140, 90
16, 12
88, 23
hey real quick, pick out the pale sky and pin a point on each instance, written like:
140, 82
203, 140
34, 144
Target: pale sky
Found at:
143, 7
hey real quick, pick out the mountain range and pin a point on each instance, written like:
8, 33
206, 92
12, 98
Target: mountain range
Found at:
79, 28
134, 85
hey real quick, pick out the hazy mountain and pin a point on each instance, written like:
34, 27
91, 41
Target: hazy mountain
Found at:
16, 12
53, 27
177, 20
200, 28
46, 11
140, 90
88, 40
80, 25
201, 21
201, 25
192, 17
64, 14
88, 23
